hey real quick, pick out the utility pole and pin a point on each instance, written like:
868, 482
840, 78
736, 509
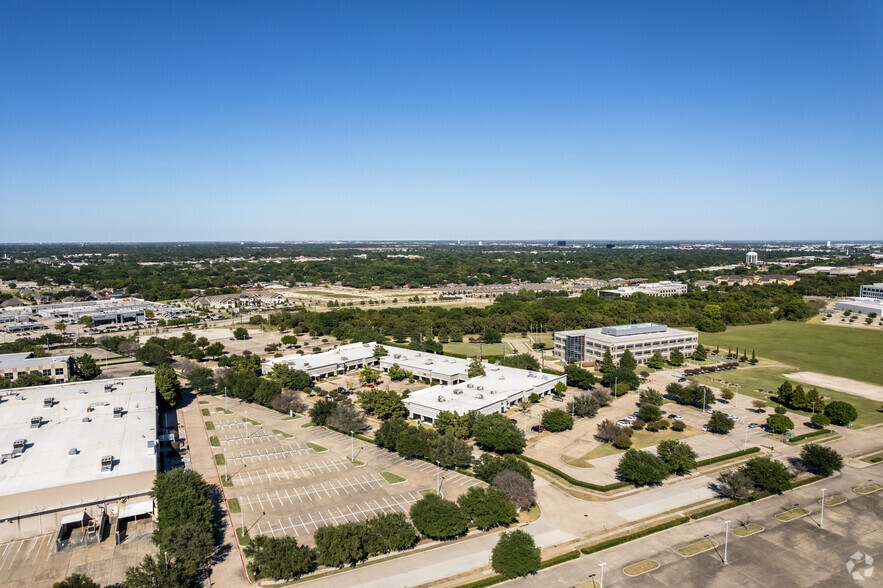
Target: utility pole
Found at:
822, 519
726, 539
601, 565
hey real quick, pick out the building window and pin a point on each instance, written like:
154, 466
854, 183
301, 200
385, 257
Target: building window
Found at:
59, 371
47, 372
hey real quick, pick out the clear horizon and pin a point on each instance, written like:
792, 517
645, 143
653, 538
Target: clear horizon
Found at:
438, 121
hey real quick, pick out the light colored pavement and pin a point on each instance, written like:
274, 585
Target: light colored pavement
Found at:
863, 389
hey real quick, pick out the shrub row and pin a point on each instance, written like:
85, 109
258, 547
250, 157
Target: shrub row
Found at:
564, 557
810, 435
572, 480
357, 435
632, 536
726, 456
760, 495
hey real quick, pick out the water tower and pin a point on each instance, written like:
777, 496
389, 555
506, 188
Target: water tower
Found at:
751, 258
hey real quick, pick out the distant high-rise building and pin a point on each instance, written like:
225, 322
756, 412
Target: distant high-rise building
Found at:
751, 258
562, 243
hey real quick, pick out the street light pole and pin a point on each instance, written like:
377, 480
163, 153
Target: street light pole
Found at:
437, 477
352, 447
822, 519
601, 565
745, 445
726, 539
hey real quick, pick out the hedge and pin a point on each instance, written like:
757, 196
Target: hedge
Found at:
546, 564
357, 436
632, 536
726, 456
573, 480
758, 496
809, 435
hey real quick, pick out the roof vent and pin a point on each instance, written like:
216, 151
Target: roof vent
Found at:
81, 392
458, 390
48, 402
36, 422
73, 451
480, 388
441, 398
117, 412
531, 375
469, 385
108, 387
107, 463
479, 396
87, 420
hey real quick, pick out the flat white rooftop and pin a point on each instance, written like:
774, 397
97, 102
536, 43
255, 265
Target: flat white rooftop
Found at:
325, 360
26, 359
628, 333
48, 462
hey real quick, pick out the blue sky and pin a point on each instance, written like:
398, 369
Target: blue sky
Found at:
153, 121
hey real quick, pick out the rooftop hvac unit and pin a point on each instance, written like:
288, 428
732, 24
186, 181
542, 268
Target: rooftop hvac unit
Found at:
479, 396
48, 402
107, 463
458, 390
441, 398
87, 420
117, 412
428, 362
81, 391
73, 451
18, 446
344, 358
480, 388
36, 422
502, 377
397, 355
108, 387
531, 375
469, 385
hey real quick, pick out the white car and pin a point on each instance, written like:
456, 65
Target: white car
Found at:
675, 417
631, 417
624, 423
732, 417
705, 428
710, 411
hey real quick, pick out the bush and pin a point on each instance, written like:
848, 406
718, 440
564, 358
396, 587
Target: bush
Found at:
779, 423
726, 456
622, 441
780, 410
649, 413
279, 558
557, 420
438, 518
76, 581
767, 474
653, 426
571, 480
488, 466
516, 555
678, 426
641, 467
809, 435
638, 424
820, 421
608, 430
823, 460
841, 413
677, 455
720, 423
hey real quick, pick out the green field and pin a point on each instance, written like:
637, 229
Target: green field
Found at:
752, 380
471, 349
848, 353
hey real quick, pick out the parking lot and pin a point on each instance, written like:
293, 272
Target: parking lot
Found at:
290, 480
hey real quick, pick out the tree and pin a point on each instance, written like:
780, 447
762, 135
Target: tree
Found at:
397, 374
214, 350
735, 485
380, 351
475, 369
820, 421
678, 456
823, 460
641, 468
701, 353
167, 384
289, 340
321, 411
389, 532
607, 364
240, 385
76, 581
767, 474
651, 396
288, 378
279, 558
86, 321
675, 357
153, 354
584, 405
154, 574
488, 466
347, 417
523, 361
86, 367
416, 442
240, 333
779, 423
627, 361
289, 401
339, 545
188, 545
649, 412
487, 507
841, 413
557, 420
32, 379
578, 377
515, 555
453, 423
497, 433
388, 433
202, 380
492, 336
727, 394
559, 389
518, 488
759, 405
720, 423
608, 430
438, 518
657, 362
626, 379
622, 441
368, 375
266, 391
451, 452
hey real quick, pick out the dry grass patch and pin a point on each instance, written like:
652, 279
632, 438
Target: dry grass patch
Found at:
697, 547
316, 447
642, 567
209, 426
529, 515
834, 500
868, 489
746, 530
577, 462
790, 515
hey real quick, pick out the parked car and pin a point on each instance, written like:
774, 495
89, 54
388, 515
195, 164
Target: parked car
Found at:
705, 428
710, 411
675, 417
753, 425
514, 421
624, 423
631, 418
341, 389
538, 428
559, 398
732, 417
682, 379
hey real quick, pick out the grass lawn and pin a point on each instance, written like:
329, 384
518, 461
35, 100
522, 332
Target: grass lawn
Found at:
318, 293
642, 567
751, 380
869, 489
222, 409
233, 505
316, 447
471, 349
203, 401
696, 548
226, 481
790, 515
306, 425
205, 412
209, 426
834, 501
393, 478
242, 535
251, 422
283, 433
219, 459
747, 530
292, 418
214, 441
426, 492
848, 353
356, 462
641, 439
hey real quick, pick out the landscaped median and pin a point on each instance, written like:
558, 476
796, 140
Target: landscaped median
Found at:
554, 561
632, 536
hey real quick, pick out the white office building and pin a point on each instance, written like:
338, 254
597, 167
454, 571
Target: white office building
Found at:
643, 340
664, 289
872, 291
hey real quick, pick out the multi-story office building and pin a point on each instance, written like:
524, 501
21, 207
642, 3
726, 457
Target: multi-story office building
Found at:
57, 368
643, 340
658, 289
872, 291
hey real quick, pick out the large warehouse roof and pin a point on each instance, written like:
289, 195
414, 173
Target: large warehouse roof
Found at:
69, 428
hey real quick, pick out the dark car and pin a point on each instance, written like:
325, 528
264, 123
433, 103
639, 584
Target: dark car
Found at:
341, 389
538, 428
514, 421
